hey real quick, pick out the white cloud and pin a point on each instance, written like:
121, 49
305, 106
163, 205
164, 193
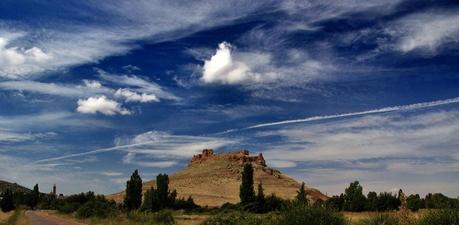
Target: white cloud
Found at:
138, 84
71, 43
112, 174
56, 89
8, 136
426, 31
92, 84
102, 105
256, 69
16, 60
131, 96
221, 68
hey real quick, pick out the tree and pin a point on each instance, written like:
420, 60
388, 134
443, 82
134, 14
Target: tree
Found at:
161, 197
372, 201
6, 202
335, 202
133, 198
354, 200
302, 196
414, 202
247, 193
33, 197
260, 194
387, 201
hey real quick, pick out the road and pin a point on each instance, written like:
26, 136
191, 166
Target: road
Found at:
44, 218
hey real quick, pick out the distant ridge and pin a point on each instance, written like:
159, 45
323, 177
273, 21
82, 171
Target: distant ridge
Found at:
4, 185
214, 179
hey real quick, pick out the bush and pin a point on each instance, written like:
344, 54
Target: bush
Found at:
96, 208
305, 215
163, 217
238, 218
380, 219
67, 208
441, 217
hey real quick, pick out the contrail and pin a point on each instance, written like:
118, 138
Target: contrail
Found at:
101, 150
373, 111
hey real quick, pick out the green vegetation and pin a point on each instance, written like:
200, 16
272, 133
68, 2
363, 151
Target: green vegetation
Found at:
302, 196
7, 202
99, 208
33, 197
247, 193
13, 218
354, 200
133, 198
440, 217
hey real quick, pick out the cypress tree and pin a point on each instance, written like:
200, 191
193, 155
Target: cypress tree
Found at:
302, 196
260, 194
34, 197
133, 198
247, 193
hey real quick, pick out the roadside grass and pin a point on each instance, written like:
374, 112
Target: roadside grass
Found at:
16, 218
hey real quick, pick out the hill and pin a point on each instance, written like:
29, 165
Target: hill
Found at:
13, 187
214, 179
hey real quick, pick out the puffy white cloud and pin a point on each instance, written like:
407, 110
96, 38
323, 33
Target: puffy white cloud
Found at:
131, 96
16, 60
102, 105
221, 68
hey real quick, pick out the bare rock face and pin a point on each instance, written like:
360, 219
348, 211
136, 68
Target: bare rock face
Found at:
214, 179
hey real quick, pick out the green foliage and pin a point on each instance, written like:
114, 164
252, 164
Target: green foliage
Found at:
133, 198
372, 201
241, 218
387, 201
72, 203
33, 197
335, 203
304, 215
414, 202
354, 200
302, 196
247, 193
440, 201
187, 204
380, 219
7, 202
99, 208
440, 217
260, 194
163, 217
162, 197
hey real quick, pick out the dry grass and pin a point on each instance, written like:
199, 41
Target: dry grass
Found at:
4, 216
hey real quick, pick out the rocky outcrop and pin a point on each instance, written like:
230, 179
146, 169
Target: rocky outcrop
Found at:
241, 156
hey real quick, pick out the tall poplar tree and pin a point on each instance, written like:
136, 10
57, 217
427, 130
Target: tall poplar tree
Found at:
133, 198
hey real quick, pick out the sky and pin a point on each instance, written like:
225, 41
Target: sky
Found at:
329, 91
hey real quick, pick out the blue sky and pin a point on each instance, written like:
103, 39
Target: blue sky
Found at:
329, 91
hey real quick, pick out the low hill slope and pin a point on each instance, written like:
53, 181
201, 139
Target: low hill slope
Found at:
214, 179
4, 185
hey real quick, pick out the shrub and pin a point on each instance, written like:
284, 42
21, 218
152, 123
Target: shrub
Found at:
238, 218
96, 208
305, 215
163, 217
380, 219
441, 217
67, 208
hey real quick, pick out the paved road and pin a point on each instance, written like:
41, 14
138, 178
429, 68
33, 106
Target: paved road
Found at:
42, 218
